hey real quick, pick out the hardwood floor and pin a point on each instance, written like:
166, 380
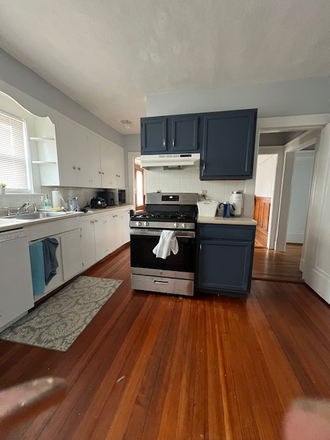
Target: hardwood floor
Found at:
161, 367
278, 266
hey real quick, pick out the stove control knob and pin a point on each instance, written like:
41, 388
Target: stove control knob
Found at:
138, 223
146, 223
184, 225
176, 225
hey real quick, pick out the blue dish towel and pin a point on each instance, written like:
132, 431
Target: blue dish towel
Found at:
50, 260
37, 267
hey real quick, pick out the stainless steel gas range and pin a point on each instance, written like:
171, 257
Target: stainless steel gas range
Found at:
175, 274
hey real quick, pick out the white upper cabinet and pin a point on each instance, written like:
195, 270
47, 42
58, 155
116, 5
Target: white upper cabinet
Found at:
107, 164
73, 151
95, 161
119, 171
71, 155
112, 163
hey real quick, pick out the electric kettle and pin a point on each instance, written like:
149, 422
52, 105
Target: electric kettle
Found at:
226, 209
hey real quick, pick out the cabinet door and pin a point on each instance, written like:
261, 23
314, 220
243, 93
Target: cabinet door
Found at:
108, 179
74, 154
101, 237
224, 265
95, 161
67, 153
153, 135
87, 243
184, 134
111, 232
228, 145
126, 219
71, 254
16, 296
119, 171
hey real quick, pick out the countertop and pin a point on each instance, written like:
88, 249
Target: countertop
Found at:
228, 221
8, 224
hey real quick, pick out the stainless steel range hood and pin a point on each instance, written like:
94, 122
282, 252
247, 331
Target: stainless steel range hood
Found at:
169, 160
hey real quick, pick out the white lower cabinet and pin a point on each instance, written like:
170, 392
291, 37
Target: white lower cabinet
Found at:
102, 237
16, 296
71, 254
82, 242
102, 234
87, 243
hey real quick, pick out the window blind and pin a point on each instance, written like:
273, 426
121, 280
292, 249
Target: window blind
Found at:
13, 157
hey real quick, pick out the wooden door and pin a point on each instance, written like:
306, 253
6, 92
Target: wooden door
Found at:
261, 212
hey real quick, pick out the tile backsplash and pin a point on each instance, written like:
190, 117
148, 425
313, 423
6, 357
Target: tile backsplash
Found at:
187, 180
15, 200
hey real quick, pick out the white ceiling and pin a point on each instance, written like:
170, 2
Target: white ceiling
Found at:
108, 55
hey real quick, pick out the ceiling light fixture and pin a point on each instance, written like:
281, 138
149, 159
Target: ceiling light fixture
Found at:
126, 124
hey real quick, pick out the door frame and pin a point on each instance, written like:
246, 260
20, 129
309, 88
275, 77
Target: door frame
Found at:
312, 124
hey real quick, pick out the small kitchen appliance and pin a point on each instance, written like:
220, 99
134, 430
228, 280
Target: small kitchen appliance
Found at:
73, 204
108, 196
164, 211
236, 200
121, 197
98, 203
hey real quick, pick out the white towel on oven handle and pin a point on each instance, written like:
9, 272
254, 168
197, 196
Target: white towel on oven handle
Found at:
167, 243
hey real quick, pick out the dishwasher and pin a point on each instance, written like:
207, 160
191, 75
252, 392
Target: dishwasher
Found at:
16, 295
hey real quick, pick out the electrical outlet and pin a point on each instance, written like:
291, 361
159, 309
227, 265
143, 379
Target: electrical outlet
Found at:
204, 192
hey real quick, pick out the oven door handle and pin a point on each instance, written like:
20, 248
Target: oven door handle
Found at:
160, 282
157, 233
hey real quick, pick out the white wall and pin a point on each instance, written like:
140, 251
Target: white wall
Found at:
266, 170
301, 182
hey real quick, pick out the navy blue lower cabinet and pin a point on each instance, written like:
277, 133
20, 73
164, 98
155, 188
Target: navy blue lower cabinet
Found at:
224, 265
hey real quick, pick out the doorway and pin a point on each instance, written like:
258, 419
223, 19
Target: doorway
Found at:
264, 188
139, 180
281, 261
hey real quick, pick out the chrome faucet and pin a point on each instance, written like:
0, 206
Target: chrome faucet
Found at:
23, 209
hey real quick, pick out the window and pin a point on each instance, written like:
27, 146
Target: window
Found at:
14, 164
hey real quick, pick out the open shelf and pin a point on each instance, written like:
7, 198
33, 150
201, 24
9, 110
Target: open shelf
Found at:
41, 139
42, 162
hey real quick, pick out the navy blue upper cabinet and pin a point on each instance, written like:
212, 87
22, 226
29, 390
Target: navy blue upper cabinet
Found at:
153, 135
228, 145
170, 134
184, 133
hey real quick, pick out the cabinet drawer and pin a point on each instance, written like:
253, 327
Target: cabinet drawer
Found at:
230, 232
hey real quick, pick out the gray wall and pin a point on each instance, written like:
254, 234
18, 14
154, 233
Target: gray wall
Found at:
284, 98
24, 79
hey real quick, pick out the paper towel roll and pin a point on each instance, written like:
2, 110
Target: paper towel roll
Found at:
58, 200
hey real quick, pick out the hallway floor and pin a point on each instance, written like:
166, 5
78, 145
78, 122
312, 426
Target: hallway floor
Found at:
278, 266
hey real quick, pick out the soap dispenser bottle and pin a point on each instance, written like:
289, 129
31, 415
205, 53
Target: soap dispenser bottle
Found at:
48, 202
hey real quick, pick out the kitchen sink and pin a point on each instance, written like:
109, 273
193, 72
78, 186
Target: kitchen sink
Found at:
35, 215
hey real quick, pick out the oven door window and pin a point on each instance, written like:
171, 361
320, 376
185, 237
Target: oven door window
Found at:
142, 255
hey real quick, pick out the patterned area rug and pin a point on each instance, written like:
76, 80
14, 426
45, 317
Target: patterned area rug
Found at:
59, 321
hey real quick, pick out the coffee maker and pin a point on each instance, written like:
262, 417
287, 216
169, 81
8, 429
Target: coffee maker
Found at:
108, 196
